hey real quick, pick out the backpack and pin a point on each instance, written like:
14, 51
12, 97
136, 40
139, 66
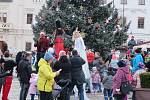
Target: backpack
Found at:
126, 86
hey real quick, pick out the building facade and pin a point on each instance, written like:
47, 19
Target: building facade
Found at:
136, 11
16, 18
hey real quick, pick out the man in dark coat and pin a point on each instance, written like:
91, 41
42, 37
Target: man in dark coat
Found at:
78, 77
24, 73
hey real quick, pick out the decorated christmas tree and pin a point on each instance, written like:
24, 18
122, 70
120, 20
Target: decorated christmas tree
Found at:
98, 23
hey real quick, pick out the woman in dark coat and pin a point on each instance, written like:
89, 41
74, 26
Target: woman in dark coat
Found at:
65, 75
64, 64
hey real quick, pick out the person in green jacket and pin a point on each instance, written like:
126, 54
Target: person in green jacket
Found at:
46, 77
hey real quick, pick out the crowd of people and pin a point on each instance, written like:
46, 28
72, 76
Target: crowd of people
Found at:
74, 72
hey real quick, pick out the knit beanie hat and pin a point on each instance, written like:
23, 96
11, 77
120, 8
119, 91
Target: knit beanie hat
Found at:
121, 63
48, 56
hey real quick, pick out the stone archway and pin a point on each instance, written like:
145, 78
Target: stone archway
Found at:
3, 46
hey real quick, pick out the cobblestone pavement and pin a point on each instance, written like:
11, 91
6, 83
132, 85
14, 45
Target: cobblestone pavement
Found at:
15, 88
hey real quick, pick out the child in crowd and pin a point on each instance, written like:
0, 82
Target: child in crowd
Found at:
96, 79
108, 83
33, 85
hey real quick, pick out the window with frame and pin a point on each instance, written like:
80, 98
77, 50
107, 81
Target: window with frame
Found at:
29, 18
141, 22
3, 17
141, 2
28, 46
123, 1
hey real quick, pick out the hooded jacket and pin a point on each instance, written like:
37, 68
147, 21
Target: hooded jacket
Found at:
45, 76
138, 58
120, 76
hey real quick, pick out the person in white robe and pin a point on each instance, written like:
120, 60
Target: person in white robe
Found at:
80, 47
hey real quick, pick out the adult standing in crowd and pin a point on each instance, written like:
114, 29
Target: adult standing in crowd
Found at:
121, 76
8, 67
46, 77
42, 46
64, 64
138, 58
77, 74
132, 43
65, 75
24, 74
3, 73
81, 49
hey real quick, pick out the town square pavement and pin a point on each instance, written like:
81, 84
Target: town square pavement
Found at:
15, 89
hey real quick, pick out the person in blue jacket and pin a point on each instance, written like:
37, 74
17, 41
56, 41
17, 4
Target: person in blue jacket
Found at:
138, 58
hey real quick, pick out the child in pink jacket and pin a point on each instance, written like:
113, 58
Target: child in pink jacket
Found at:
33, 85
96, 79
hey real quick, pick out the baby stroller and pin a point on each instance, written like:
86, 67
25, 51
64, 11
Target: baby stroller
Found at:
61, 89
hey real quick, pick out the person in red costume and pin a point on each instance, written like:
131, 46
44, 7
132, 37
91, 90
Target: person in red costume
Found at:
59, 39
59, 42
